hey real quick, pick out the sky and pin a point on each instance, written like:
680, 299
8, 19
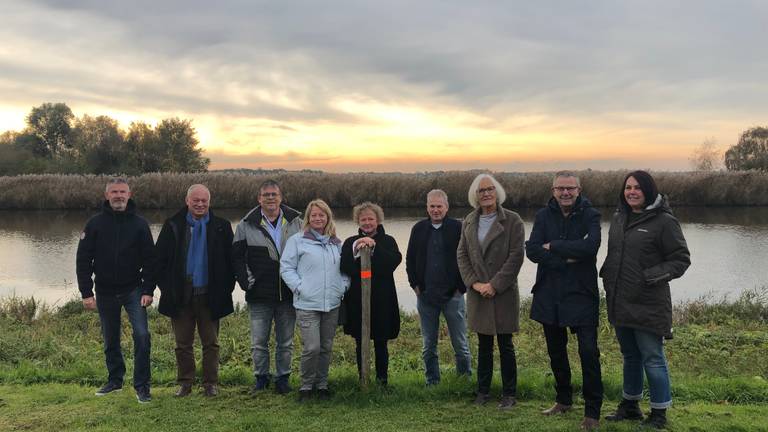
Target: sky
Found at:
402, 85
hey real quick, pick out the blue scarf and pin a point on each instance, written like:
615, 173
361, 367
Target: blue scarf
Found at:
197, 255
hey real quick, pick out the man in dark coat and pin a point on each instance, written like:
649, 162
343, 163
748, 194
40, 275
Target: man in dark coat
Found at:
564, 243
116, 246
433, 273
196, 280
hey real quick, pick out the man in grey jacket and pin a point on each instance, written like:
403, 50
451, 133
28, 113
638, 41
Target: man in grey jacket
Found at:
259, 241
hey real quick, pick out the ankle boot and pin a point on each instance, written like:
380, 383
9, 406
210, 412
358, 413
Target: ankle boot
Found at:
627, 410
657, 419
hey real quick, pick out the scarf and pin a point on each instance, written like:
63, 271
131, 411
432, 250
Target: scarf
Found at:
197, 255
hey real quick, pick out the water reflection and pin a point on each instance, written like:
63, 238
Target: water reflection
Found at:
728, 246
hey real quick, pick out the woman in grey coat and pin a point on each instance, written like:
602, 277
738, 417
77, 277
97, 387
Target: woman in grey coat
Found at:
646, 249
490, 255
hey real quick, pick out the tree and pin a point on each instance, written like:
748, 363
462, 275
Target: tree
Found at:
178, 146
50, 124
144, 146
751, 152
706, 157
98, 144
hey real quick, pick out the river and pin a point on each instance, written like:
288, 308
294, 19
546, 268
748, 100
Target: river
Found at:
729, 250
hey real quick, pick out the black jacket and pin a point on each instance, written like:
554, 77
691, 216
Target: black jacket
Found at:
172, 262
643, 256
416, 258
256, 257
117, 247
385, 311
565, 293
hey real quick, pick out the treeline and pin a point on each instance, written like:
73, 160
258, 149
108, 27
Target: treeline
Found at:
238, 190
55, 141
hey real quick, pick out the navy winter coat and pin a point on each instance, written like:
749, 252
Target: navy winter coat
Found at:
416, 258
565, 293
172, 264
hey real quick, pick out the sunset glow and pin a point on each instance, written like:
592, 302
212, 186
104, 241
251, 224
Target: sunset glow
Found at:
636, 87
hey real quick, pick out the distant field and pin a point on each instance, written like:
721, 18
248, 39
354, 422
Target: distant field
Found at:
238, 190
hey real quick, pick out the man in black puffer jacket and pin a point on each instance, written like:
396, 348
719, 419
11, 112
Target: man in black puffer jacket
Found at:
564, 243
116, 246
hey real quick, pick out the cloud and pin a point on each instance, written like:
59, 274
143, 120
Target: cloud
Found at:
516, 69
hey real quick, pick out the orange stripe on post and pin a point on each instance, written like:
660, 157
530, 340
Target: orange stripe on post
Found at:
365, 274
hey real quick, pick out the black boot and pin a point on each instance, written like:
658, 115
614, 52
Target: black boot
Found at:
627, 410
657, 419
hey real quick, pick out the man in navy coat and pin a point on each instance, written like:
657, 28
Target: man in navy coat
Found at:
564, 243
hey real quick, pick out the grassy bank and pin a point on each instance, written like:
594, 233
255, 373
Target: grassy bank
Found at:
53, 360
232, 190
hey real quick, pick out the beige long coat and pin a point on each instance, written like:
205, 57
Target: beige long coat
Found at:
497, 260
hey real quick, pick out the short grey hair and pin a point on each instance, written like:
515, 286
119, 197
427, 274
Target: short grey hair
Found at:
567, 173
501, 195
438, 193
198, 186
116, 180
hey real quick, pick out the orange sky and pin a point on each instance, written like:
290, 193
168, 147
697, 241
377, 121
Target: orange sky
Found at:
369, 88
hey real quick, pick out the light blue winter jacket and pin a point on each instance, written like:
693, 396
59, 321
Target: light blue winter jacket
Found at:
310, 268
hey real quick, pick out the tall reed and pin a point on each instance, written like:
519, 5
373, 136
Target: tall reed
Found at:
239, 190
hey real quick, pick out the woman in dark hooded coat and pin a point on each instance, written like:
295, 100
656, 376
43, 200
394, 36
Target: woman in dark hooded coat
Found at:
646, 250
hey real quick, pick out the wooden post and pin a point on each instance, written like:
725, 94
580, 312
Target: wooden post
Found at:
365, 331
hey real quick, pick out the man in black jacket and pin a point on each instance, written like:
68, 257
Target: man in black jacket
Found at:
259, 242
116, 246
564, 243
433, 273
196, 279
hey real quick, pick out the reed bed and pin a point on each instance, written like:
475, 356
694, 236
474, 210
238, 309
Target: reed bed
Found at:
239, 190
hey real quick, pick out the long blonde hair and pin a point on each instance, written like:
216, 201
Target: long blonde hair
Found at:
330, 227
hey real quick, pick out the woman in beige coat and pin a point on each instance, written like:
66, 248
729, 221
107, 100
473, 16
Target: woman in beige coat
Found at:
490, 254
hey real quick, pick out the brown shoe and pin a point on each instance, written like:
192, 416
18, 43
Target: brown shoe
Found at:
556, 409
210, 390
590, 424
184, 390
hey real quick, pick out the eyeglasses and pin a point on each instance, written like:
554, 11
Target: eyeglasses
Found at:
488, 190
270, 194
561, 189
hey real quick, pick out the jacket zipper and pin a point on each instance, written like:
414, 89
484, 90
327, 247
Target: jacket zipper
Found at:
269, 238
117, 246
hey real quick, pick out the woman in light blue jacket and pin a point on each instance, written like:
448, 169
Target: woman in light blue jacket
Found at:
310, 267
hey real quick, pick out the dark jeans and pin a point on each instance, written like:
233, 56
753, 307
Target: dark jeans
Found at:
382, 357
110, 307
485, 364
557, 347
196, 314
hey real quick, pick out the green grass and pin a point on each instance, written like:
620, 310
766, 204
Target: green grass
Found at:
51, 362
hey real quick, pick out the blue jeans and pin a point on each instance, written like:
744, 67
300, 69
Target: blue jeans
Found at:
644, 352
454, 312
262, 315
110, 307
